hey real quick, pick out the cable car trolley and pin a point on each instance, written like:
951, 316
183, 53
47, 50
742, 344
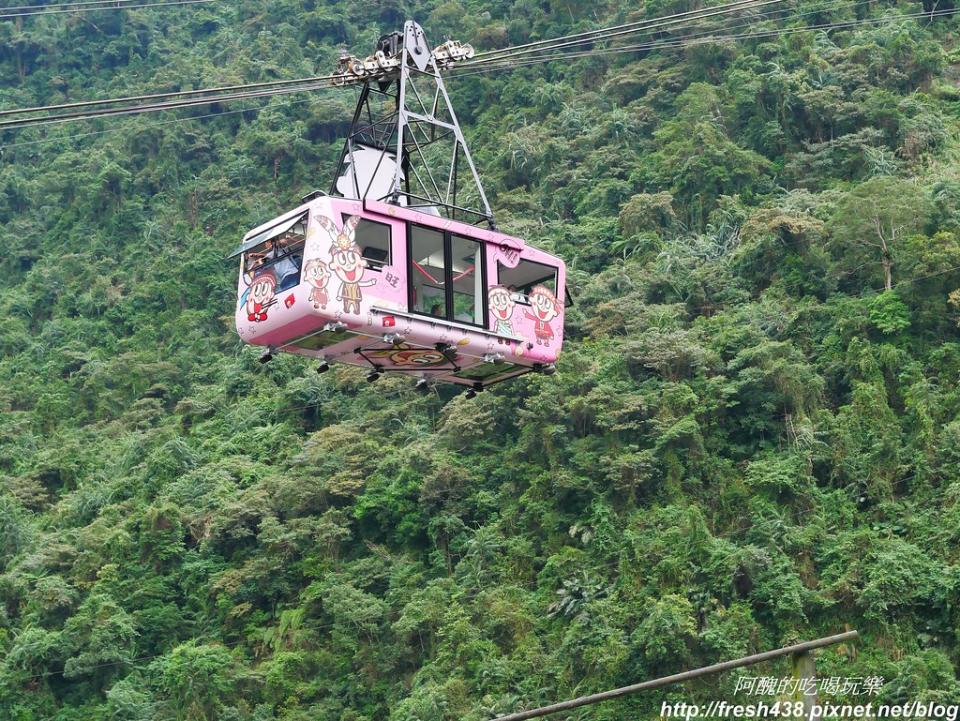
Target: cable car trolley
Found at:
400, 267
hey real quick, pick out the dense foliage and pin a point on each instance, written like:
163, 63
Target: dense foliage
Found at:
753, 436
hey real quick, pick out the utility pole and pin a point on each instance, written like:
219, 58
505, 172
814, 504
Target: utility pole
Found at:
801, 653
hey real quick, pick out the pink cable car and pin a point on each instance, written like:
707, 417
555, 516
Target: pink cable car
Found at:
391, 277
397, 289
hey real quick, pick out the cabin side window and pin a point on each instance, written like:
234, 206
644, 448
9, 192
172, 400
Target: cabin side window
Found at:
278, 251
447, 278
373, 239
520, 281
467, 281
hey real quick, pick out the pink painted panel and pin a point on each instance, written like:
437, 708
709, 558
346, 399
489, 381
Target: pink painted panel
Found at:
337, 286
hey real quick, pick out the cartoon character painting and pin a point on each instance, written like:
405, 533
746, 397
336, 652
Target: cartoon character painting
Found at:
502, 305
317, 274
347, 262
545, 308
260, 295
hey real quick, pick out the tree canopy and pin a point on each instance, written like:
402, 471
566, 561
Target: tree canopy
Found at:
752, 436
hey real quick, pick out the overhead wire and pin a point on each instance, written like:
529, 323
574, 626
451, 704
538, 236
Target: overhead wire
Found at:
775, 14
624, 26
174, 105
648, 25
695, 40
316, 80
54, 5
672, 40
59, 10
171, 94
118, 128
106, 5
658, 24
71, 3
283, 87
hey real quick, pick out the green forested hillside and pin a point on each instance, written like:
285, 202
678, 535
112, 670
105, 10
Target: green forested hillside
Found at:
753, 436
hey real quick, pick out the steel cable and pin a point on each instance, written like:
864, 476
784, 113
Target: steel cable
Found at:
268, 89
138, 109
623, 26
59, 11
649, 25
171, 94
696, 40
654, 25
769, 15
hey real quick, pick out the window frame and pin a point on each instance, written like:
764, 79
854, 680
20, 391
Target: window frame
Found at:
514, 294
305, 214
299, 248
367, 261
448, 291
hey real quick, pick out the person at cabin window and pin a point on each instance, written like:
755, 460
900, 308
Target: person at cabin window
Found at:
286, 265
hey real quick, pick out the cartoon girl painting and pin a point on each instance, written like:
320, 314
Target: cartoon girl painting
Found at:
502, 305
317, 274
545, 308
259, 296
347, 262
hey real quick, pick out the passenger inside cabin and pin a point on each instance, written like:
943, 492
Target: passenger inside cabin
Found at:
282, 258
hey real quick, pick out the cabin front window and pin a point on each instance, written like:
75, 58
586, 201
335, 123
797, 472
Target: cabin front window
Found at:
278, 252
521, 281
446, 276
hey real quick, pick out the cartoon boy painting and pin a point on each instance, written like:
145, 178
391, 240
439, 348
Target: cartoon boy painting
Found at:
502, 305
347, 262
260, 295
545, 308
317, 274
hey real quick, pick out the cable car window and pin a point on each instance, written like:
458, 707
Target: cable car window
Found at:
280, 252
467, 280
447, 277
373, 239
522, 279
427, 272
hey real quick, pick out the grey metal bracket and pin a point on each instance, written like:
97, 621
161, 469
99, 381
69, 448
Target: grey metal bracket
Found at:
404, 113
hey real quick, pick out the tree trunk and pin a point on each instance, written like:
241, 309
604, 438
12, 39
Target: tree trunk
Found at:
887, 273
21, 68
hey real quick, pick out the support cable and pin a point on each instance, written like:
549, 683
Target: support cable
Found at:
698, 40
649, 25
155, 107
70, 3
654, 25
284, 87
624, 26
8, 16
769, 15
171, 94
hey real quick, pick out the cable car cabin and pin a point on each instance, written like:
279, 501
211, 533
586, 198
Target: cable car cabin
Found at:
391, 288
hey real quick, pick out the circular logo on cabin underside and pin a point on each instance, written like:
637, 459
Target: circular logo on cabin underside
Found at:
408, 357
